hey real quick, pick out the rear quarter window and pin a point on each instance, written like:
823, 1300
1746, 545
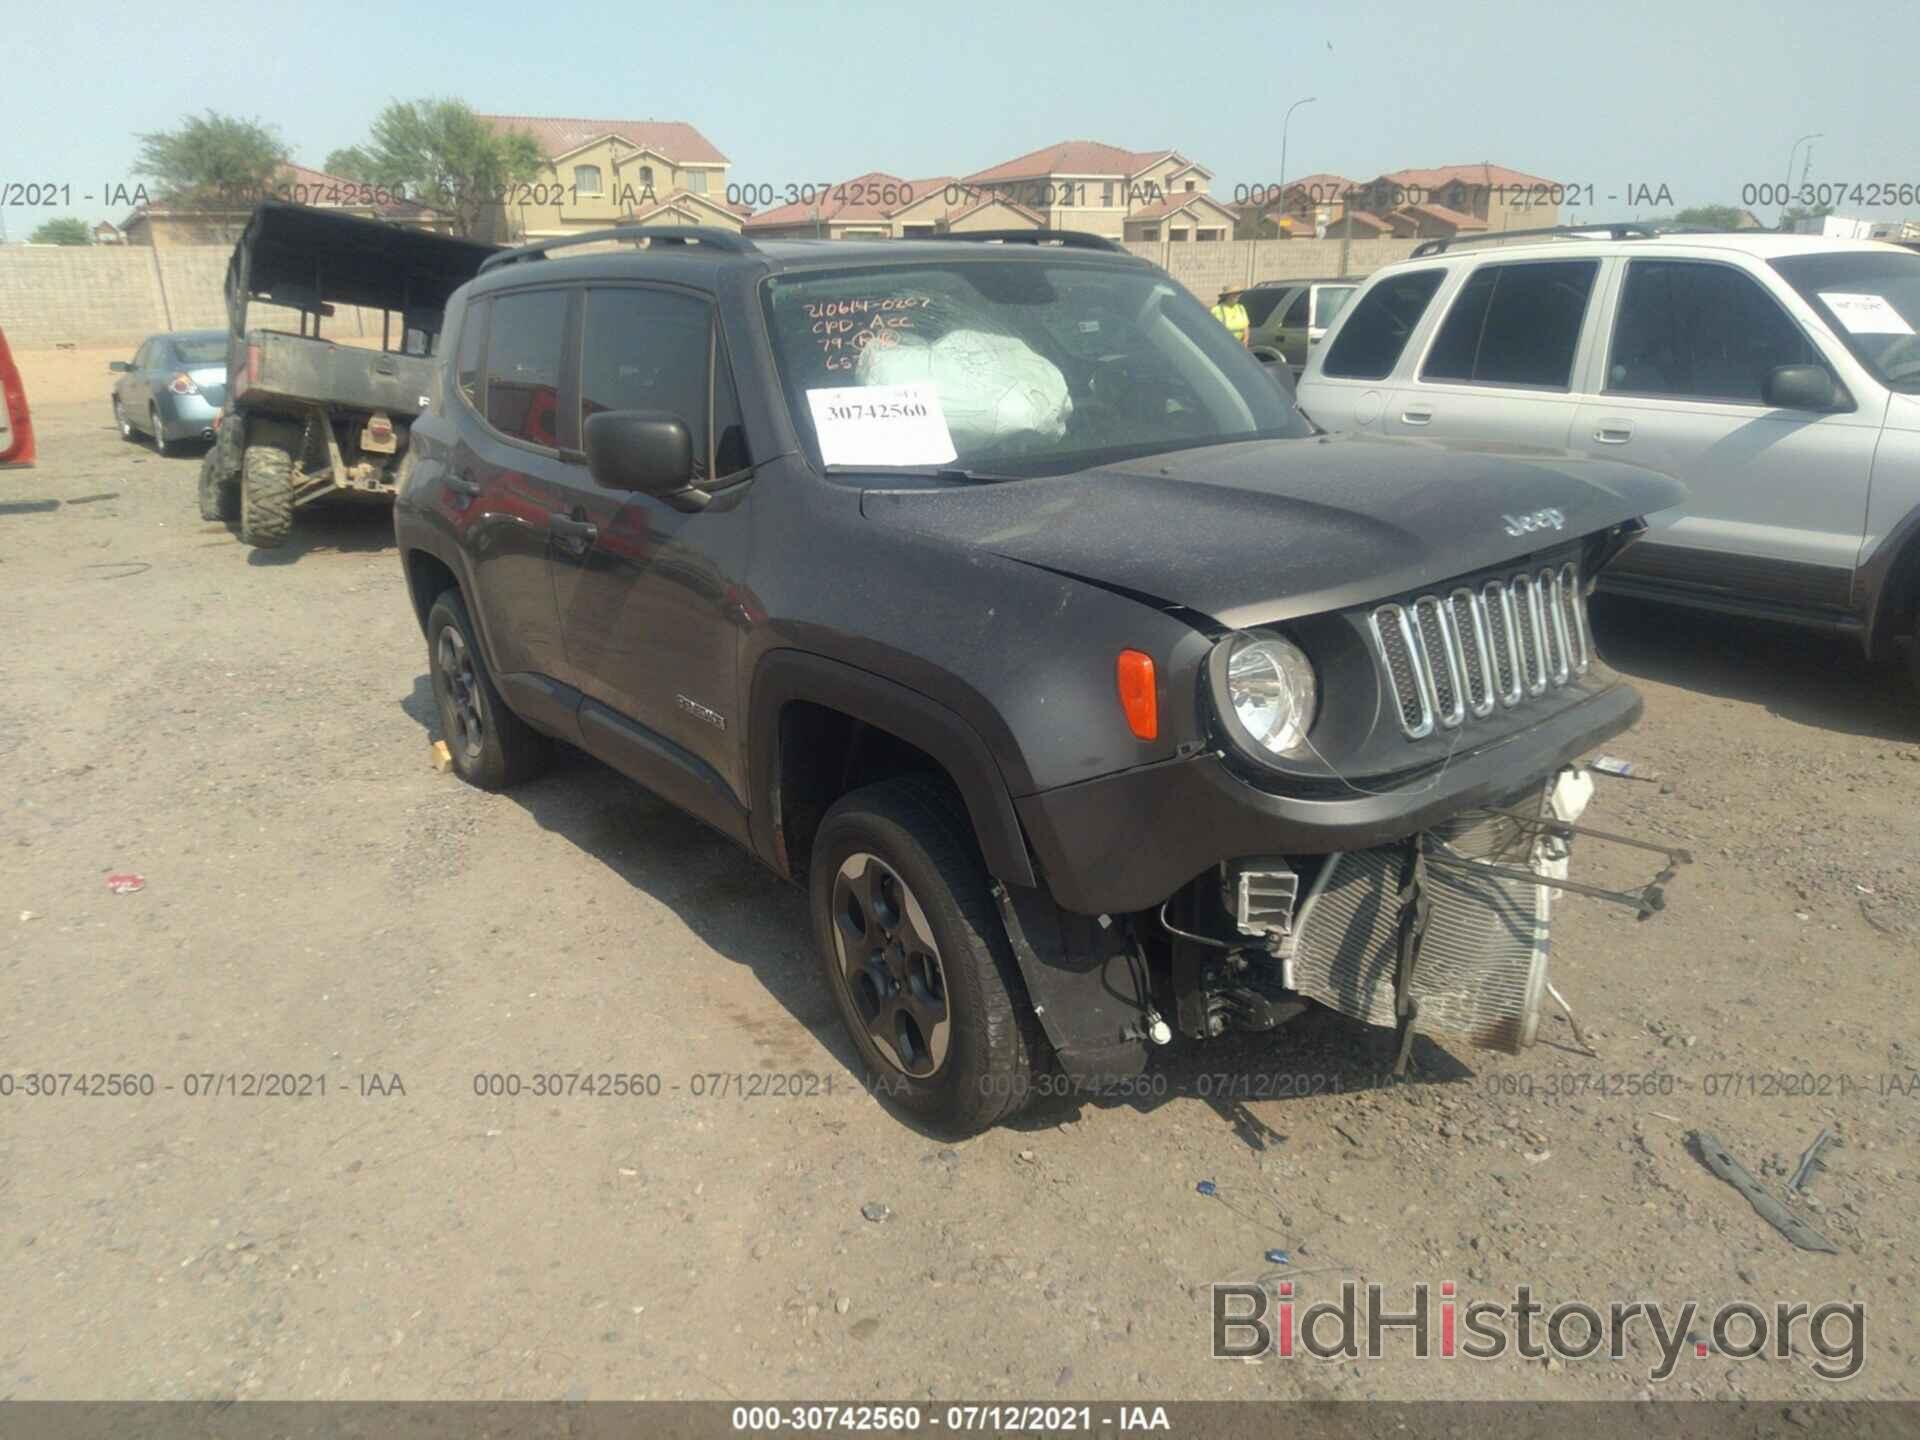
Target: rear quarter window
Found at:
1379, 326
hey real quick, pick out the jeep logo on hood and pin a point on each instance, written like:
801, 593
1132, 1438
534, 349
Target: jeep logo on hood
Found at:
1538, 520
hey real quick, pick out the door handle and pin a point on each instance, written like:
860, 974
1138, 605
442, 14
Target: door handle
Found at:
1420, 416
1614, 432
464, 483
566, 527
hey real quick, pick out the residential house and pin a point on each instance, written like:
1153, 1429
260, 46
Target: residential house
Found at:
599, 173
1088, 185
168, 221
1457, 199
1308, 207
881, 206
1180, 217
107, 233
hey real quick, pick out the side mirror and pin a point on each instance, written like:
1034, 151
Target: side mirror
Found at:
1800, 387
649, 451
119, 366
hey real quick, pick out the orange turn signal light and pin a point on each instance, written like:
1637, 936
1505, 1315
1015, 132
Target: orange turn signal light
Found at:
1134, 672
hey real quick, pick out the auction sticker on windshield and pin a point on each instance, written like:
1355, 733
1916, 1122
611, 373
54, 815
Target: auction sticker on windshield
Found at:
881, 425
1865, 314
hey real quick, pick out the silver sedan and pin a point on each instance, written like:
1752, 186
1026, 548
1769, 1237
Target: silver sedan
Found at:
172, 388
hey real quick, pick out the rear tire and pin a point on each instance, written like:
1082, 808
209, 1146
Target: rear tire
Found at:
492, 747
897, 881
159, 435
266, 493
219, 500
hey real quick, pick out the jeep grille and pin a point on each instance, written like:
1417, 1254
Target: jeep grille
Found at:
1453, 657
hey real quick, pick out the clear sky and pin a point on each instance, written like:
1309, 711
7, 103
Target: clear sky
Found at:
1700, 97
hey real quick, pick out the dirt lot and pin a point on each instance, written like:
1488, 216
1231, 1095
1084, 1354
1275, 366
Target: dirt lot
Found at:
249, 732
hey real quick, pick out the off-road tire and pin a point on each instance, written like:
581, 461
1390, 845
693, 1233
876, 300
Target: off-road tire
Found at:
918, 826
219, 500
266, 491
159, 434
510, 750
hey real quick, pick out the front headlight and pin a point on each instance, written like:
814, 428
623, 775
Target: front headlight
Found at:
1274, 695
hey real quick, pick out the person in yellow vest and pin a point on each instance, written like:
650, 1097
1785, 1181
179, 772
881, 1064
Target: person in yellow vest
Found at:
1232, 314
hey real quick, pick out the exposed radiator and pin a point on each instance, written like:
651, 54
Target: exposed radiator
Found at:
1482, 969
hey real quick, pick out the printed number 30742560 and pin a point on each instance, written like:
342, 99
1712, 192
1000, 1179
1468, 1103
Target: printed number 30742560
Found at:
897, 410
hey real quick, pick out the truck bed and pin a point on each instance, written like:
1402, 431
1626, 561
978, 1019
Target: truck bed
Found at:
277, 367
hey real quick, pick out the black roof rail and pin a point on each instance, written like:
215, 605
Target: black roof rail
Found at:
712, 237
1614, 229
1072, 239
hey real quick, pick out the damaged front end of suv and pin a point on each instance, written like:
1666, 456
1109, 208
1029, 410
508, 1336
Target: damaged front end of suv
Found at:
1374, 813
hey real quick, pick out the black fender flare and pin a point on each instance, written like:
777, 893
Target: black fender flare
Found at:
784, 676
1889, 580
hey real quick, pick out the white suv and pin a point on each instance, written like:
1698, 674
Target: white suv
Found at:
1777, 376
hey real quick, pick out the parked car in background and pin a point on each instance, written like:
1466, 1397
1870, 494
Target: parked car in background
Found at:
172, 388
1289, 317
1777, 376
16, 425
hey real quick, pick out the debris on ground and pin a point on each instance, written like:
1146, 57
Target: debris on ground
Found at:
876, 1212
1810, 1161
1720, 1161
442, 757
1206, 1187
126, 884
1279, 1257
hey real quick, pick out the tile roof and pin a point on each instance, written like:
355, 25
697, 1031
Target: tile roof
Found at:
675, 139
1178, 201
1485, 173
1457, 219
853, 202
1073, 157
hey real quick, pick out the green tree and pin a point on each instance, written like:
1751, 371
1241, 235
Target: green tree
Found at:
1710, 217
440, 153
64, 231
212, 155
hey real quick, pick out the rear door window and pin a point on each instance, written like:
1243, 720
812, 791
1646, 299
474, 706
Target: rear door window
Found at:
1296, 316
525, 344
1369, 343
1516, 325
1259, 304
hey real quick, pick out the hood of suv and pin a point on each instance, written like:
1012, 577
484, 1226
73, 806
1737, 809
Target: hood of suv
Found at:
1271, 530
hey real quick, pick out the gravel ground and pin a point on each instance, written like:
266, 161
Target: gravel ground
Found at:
249, 732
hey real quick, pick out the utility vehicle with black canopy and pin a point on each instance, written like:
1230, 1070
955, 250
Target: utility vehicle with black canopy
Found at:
313, 415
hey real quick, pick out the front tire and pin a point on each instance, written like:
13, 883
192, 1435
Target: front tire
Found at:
266, 494
120, 419
492, 747
915, 953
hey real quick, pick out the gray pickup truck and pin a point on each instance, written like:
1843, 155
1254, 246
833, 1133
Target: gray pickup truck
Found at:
309, 418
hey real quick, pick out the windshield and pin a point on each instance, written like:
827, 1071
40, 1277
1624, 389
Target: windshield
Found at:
1024, 367
208, 349
1871, 300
